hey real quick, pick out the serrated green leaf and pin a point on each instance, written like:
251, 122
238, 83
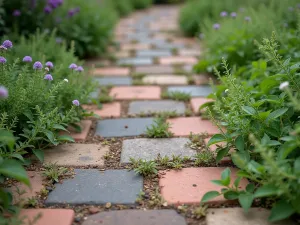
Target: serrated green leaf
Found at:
59, 127
231, 195
209, 195
7, 138
281, 210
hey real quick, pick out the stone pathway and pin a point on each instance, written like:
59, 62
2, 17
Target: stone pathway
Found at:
151, 59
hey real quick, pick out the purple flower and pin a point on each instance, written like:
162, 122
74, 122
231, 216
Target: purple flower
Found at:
247, 18
47, 9
37, 65
49, 64
76, 102
233, 14
216, 26
2, 60
7, 44
27, 59
79, 69
48, 77
54, 3
3, 92
73, 66
223, 14
16, 13
73, 11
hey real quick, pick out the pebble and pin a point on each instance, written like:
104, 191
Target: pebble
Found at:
93, 210
108, 205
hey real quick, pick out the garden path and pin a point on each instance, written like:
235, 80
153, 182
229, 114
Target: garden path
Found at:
151, 58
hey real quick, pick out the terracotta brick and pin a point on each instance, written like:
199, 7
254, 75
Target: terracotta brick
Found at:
137, 92
137, 46
197, 102
188, 186
177, 60
189, 52
108, 109
85, 128
48, 216
111, 71
165, 79
183, 126
36, 185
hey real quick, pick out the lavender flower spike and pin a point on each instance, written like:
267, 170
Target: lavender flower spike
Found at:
27, 59
37, 65
48, 77
76, 102
3, 92
223, 14
7, 44
233, 14
79, 69
216, 26
16, 13
73, 66
2, 60
49, 64
247, 18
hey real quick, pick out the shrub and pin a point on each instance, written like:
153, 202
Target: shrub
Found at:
141, 4
124, 7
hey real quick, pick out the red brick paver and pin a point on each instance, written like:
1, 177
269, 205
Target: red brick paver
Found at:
137, 46
48, 216
183, 126
137, 92
169, 60
111, 71
108, 110
85, 128
188, 186
197, 102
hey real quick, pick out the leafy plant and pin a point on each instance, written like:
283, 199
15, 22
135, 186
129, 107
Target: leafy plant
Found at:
146, 168
205, 157
160, 129
53, 172
177, 95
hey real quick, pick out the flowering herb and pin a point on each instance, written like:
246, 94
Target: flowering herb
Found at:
233, 14
73, 66
2, 60
76, 102
7, 44
27, 59
3, 92
216, 26
223, 14
49, 64
37, 65
16, 13
79, 69
247, 18
48, 77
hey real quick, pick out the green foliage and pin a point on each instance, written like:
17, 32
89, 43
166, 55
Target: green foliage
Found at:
145, 168
160, 129
205, 157
53, 172
176, 95
124, 7
141, 4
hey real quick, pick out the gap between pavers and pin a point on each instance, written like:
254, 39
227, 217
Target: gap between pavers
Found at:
136, 217
77, 155
194, 91
183, 126
165, 79
108, 110
48, 216
237, 216
85, 128
156, 106
123, 127
149, 149
111, 71
136, 92
91, 186
188, 186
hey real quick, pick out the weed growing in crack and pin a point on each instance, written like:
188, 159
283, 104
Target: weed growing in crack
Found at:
188, 112
163, 161
53, 172
176, 95
31, 202
205, 157
135, 162
146, 168
166, 114
104, 95
160, 129
200, 211
197, 141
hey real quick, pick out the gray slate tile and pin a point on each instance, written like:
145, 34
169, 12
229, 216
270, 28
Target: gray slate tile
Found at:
135, 61
92, 186
136, 217
195, 91
153, 53
169, 46
148, 149
137, 107
104, 81
123, 127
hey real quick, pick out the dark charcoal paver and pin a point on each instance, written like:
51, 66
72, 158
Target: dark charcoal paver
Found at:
136, 217
92, 186
137, 107
195, 91
153, 53
123, 127
104, 81
149, 149
135, 61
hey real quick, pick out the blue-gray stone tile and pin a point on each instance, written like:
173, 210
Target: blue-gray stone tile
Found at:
153, 53
123, 127
91, 186
169, 46
104, 81
135, 61
195, 91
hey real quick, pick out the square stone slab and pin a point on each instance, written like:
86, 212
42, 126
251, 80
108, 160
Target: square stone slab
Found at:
77, 155
135, 61
92, 186
165, 79
111, 71
183, 126
237, 216
104, 81
48, 216
108, 109
178, 60
149, 149
123, 127
136, 217
188, 186
194, 91
154, 69
153, 53
137, 107
136, 92
197, 102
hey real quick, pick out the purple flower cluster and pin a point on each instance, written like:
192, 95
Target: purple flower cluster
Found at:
27, 59
73, 66
16, 13
73, 11
76, 102
216, 26
37, 65
48, 77
3, 92
7, 44
51, 5
49, 64
223, 14
233, 14
2, 60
